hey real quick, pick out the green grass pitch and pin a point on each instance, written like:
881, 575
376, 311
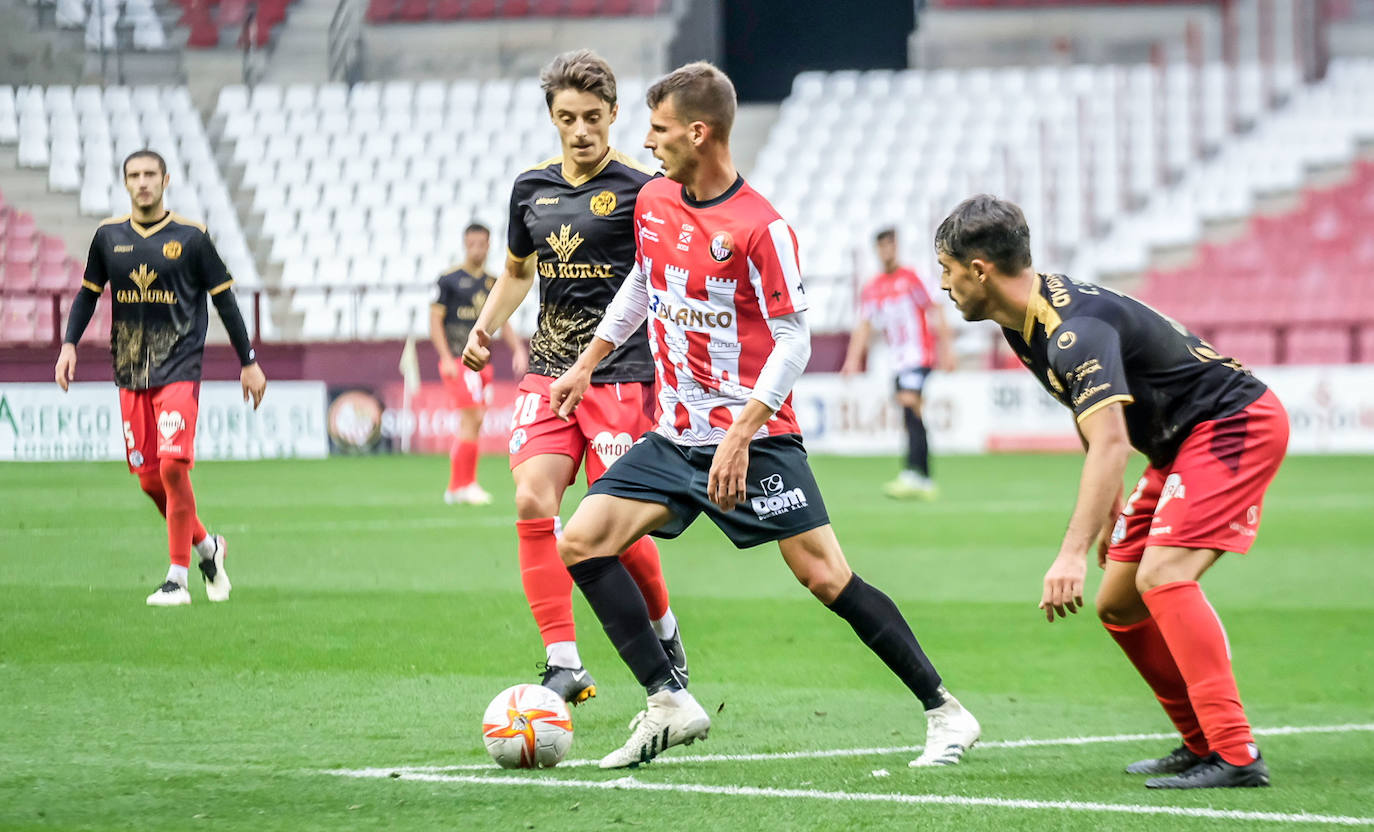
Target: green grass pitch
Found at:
370, 625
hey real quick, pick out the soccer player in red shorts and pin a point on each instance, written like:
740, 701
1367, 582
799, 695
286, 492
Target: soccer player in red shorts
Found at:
458, 297
1214, 436
161, 267
573, 215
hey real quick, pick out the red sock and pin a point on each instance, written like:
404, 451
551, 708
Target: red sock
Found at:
181, 510
548, 586
1145, 647
1198, 643
462, 464
152, 486
641, 561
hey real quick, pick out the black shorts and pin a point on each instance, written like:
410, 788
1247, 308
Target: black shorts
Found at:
912, 379
783, 499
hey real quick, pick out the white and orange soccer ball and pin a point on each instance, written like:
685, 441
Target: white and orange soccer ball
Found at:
527, 726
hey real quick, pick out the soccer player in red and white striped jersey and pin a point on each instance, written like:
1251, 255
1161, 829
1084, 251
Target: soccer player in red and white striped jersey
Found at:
898, 303
717, 277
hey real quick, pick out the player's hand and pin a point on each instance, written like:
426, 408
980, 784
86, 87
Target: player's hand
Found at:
1064, 586
478, 351
519, 360
254, 383
66, 366
725, 486
448, 367
566, 391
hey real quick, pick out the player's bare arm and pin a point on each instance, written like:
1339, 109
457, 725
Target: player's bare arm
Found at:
66, 366
510, 290
858, 347
254, 382
944, 336
448, 366
1099, 488
1104, 537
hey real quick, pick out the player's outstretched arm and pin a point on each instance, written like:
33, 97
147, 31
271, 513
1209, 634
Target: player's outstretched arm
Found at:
624, 316
858, 347
1109, 447
505, 297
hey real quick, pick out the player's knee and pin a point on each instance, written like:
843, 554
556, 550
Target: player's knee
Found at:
824, 580
534, 501
175, 473
575, 547
151, 483
1120, 612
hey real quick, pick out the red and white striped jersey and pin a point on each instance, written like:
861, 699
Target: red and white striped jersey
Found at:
897, 304
716, 271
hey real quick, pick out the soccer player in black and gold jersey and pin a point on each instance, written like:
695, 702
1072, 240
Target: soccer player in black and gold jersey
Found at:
160, 267
1214, 436
572, 223
458, 296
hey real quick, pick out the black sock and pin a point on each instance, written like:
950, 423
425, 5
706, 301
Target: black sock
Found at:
618, 603
917, 451
880, 625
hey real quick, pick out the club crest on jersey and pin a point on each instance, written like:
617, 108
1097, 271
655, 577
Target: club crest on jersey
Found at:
603, 203
171, 250
722, 246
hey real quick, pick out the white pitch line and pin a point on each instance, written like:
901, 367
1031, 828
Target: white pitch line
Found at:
1285, 730
631, 784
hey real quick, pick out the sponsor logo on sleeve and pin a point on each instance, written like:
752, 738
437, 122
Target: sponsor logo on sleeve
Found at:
1067, 339
1089, 393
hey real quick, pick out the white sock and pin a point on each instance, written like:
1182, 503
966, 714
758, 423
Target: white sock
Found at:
563, 654
665, 626
206, 548
177, 574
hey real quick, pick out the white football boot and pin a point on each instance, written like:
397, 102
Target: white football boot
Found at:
170, 594
950, 732
472, 495
672, 718
217, 584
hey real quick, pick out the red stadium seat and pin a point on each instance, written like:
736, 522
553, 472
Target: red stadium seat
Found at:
480, 9
1318, 345
1254, 347
20, 277
51, 249
380, 11
22, 225
448, 9
514, 8
55, 277
546, 8
413, 10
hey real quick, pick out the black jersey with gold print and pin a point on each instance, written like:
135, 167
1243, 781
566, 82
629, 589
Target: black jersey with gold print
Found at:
159, 277
582, 233
461, 294
1090, 346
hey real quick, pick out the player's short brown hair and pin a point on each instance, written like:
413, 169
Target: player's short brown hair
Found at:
987, 228
888, 233
476, 228
145, 153
582, 70
700, 93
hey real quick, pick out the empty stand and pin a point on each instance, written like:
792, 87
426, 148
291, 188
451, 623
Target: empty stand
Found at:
371, 186
411, 11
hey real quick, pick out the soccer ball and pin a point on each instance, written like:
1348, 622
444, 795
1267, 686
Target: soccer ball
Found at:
527, 726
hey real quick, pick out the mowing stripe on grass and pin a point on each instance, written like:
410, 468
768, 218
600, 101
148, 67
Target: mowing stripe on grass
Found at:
631, 784
1280, 731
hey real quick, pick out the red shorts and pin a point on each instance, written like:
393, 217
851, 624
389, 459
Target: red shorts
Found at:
160, 423
469, 388
609, 419
1211, 495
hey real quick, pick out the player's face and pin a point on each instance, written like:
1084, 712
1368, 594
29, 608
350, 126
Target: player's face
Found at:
145, 182
887, 252
584, 124
961, 283
670, 139
476, 244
